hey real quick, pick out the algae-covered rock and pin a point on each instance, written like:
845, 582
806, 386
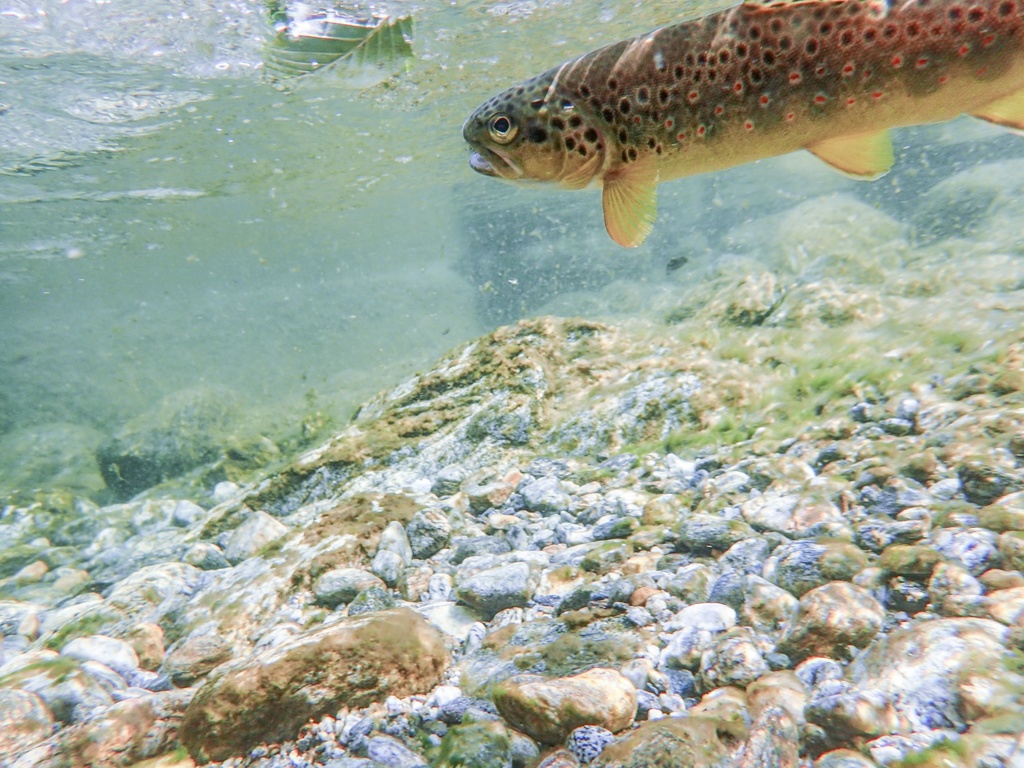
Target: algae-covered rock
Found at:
548, 710
803, 565
495, 589
475, 745
691, 741
830, 618
353, 663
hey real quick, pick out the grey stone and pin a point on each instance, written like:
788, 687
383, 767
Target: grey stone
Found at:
394, 539
186, 514
429, 531
545, 495
206, 556
341, 585
259, 530
495, 589
974, 548
587, 741
388, 566
113, 653
732, 659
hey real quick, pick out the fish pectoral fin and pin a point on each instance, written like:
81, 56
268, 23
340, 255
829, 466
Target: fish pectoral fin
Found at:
1007, 111
630, 201
861, 156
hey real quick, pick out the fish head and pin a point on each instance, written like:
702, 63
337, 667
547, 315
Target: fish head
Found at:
534, 132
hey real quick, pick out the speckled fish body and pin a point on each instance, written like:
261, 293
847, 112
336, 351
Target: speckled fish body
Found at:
753, 81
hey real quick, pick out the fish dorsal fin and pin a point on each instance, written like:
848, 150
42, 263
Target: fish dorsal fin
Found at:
1007, 111
879, 9
630, 202
861, 155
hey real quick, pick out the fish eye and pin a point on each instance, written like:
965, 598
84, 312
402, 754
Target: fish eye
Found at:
501, 128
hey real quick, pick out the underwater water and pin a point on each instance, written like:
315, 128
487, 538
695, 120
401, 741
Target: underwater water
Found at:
173, 219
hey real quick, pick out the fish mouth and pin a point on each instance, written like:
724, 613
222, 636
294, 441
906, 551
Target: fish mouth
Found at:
493, 163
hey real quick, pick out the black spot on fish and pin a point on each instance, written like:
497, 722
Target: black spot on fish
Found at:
890, 31
723, 56
575, 121
913, 29
825, 28
623, 136
975, 15
741, 51
768, 57
690, 61
536, 134
625, 157
1006, 9
870, 36
678, 72
663, 95
624, 106
558, 124
811, 47
754, 33
570, 143
651, 143
775, 25
584, 91
590, 135
785, 43
632, 153
712, 74
643, 95
955, 13
756, 76
537, 103
582, 150
608, 115
846, 39
613, 84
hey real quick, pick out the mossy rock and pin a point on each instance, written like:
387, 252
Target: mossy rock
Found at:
475, 745
607, 556
668, 743
909, 560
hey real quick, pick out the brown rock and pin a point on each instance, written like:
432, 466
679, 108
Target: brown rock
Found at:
148, 641
691, 741
195, 657
548, 710
353, 662
830, 618
130, 731
24, 720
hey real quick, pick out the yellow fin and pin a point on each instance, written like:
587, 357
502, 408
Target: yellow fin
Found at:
1007, 111
862, 155
630, 202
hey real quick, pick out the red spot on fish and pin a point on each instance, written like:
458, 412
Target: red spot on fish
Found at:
963, 50
669, 123
636, 120
790, 117
748, 125
987, 40
982, 71
763, 101
693, 96
738, 87
876, 95
719, 109
943, 79
820, 98
921, 63
897, 61
851, 101
820, 71
680, 136
848, 68
700, 130
795, 77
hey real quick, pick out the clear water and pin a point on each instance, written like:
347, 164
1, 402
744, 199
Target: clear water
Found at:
170, 218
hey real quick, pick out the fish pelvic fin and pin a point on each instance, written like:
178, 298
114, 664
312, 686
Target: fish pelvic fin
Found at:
860, 156
630, 201
1007, 111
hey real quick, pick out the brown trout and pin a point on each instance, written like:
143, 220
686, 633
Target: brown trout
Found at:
754, 81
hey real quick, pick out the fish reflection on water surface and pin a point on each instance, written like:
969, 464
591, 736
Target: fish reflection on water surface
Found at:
754, 81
